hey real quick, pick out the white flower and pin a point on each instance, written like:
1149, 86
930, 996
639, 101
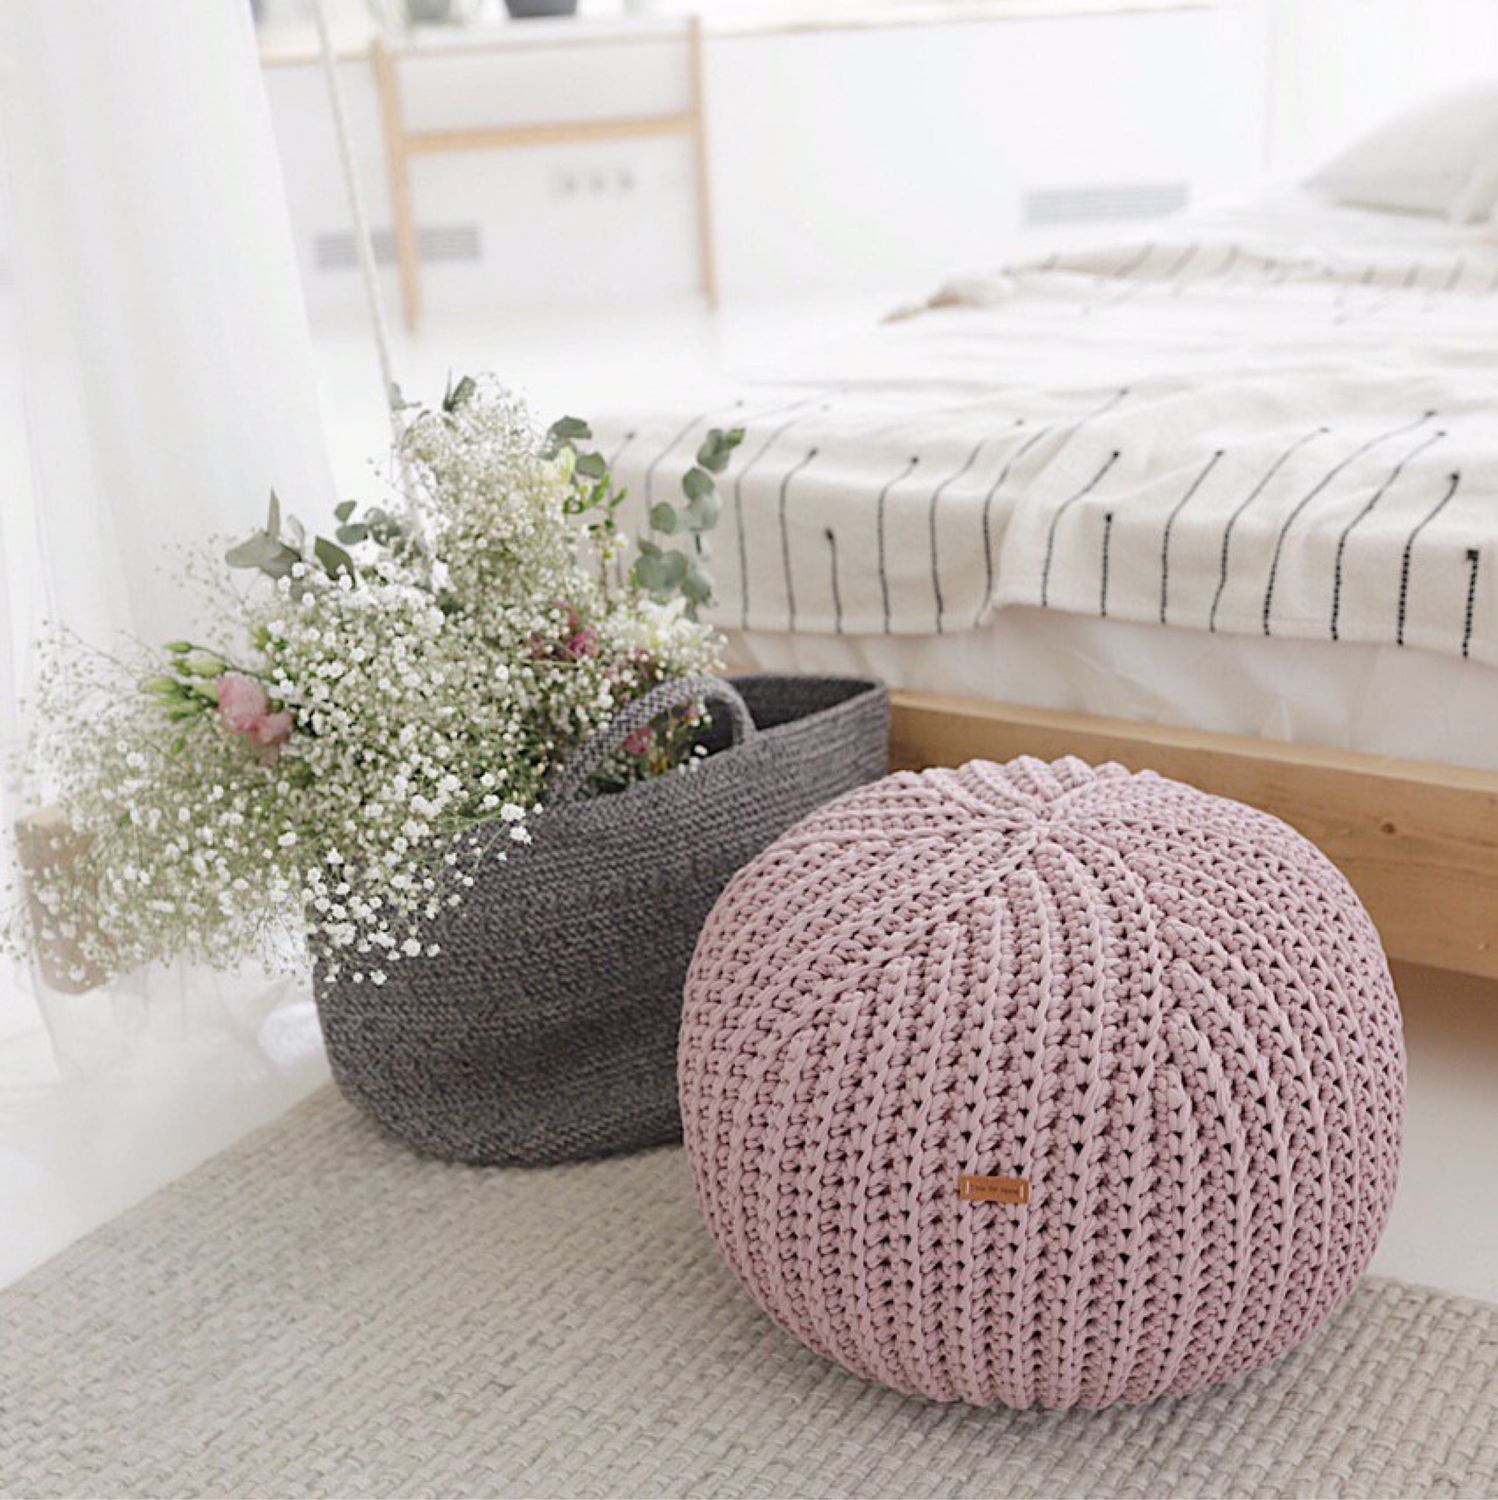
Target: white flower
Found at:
415, 719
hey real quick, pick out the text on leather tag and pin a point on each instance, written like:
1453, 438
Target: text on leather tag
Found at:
993, 1189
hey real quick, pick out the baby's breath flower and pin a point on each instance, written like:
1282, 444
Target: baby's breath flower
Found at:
432, 693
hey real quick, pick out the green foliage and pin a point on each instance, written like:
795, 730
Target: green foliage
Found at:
282, 543
591, 493
277, 548
189, 688
662, 571
333, 558
459, 394
566, 432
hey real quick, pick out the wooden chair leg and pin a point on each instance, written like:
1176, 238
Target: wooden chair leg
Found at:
707, 248
398, 166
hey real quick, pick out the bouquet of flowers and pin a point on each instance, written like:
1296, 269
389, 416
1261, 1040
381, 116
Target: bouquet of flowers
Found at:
376, 711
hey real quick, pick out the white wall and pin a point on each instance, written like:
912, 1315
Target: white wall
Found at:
903, 154
882, 157
539, 240
886, 157
1340, 66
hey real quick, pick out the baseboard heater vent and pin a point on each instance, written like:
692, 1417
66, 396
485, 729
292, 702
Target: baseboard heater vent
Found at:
1126, 200
434, 243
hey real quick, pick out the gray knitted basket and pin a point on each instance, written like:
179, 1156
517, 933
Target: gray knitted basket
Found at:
546, 1029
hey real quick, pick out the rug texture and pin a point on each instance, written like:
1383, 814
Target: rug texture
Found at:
320, 1312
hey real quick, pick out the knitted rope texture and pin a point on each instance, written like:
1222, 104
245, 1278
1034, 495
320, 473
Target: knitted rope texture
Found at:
1166, 1012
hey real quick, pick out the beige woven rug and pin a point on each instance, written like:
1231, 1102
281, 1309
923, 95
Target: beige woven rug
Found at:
317, 1311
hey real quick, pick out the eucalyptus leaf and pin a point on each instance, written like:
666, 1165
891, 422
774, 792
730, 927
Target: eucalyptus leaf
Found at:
457, 394
696, 584
351, 536
696, 483
675, 568
252, 552
663, 517
279, 562
345, 508
273, 517
717, 448
565, 431
333, 558
702, 513
650, 573
592, 466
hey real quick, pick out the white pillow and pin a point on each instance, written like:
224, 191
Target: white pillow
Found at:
1436, 158
1477, 201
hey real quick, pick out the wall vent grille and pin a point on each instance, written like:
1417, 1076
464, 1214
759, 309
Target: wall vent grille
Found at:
434, 243
1126, 200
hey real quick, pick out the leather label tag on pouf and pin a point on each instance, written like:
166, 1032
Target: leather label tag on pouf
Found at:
993, 1189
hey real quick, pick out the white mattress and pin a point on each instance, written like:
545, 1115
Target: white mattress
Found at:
1281, 416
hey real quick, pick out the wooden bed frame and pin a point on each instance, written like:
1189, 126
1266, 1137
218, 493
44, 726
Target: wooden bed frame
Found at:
1418, 841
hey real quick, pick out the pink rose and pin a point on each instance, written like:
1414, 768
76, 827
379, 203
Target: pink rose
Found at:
244, 708
640, 741
272, 730
242, 702
584, 643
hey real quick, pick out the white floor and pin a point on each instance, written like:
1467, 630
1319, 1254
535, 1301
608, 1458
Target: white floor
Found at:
566, 362
79, 1144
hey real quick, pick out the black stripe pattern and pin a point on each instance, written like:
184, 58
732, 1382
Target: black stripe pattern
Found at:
1316, 489
1301, 536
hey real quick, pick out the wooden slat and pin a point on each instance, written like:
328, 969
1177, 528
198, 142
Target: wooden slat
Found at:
706, 247
398, 165
547, 133
293, 44
1418, 841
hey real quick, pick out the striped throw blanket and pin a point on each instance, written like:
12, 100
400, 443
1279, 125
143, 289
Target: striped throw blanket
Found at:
1281, 421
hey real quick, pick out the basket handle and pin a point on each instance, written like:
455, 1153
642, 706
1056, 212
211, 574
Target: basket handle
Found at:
580, 769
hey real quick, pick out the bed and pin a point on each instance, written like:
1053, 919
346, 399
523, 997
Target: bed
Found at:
1223, 501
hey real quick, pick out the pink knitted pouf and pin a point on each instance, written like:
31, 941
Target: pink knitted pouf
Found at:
1043, 1085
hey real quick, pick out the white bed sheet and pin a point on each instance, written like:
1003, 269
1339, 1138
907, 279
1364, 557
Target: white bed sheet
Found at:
1376, 699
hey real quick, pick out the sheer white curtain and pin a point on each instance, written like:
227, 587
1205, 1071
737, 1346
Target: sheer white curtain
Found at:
156, 380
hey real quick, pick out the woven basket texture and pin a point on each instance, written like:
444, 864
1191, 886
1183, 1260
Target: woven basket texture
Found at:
546, 1029
1162, 1015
